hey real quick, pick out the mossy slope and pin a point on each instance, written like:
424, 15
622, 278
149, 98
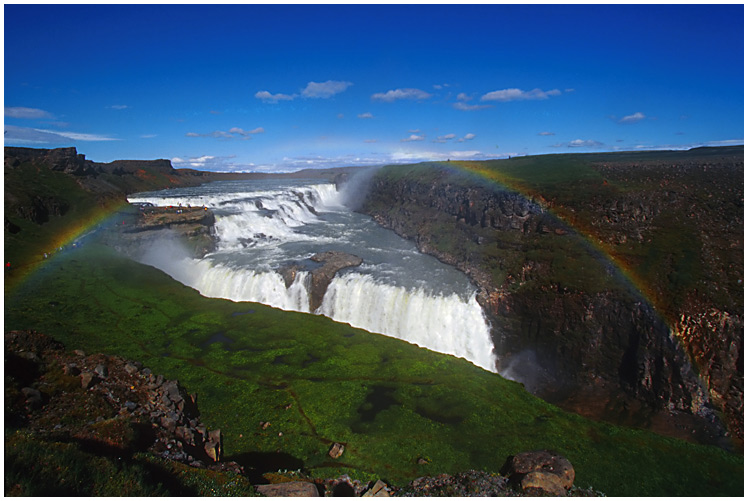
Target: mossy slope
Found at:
317, 382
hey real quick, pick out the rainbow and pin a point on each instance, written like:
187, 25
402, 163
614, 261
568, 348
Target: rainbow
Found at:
589, 238
16, 274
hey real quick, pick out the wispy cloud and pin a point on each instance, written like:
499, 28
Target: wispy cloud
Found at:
631, 119
445, 138
27, 135
448, 137
313, 90
393, 95
118, 107
470, 107
506, 95
365, 115
274, 98
233, 133
580, 143
546, 133
413, 137
30, 113
324, 90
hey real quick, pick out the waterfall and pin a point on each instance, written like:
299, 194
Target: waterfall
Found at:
447, 324
264, 226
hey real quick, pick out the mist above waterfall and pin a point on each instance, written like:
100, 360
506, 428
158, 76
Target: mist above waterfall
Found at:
264, 226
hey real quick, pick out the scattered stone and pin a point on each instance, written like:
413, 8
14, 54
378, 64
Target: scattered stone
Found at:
131, 406
422, 461
131, 368
33, 397
336, 450
264, 424
379, 489
288, 489
214, 445
71, 369
101, 370
88, 380
80, 353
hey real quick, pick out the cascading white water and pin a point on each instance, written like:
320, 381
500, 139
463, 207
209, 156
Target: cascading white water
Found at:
447, 324
262, 226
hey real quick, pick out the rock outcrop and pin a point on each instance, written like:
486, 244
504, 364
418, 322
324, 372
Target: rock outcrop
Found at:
322, 269
107, 401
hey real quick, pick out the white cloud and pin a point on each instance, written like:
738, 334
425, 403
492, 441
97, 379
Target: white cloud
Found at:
393, 95
519, 95
27, 135
365, 115
147, 136
324, 90
471, 107
631, 119
414, 137
31, 113
212, 163
370, 140
469, 136
233, 133
580, 143
445, 138
118, 107
274, 98
546, 133
463, 97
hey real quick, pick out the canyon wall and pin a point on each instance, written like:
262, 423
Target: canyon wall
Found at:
567, 321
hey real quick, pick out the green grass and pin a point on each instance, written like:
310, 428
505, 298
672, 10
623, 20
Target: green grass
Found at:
318, 382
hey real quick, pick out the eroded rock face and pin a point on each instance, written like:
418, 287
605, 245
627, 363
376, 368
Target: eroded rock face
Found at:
556, 300
331, 263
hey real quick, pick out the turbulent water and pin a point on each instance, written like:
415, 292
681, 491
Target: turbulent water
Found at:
262, 226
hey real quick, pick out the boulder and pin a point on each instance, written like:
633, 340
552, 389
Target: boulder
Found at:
336, 450
543, 470
88, 379
379, 489
288, 489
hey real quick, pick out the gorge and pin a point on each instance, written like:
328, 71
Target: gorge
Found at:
605, 326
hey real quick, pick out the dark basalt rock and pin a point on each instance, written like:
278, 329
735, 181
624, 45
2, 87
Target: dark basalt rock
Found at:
324, 268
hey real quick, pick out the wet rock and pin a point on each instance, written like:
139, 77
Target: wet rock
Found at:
288, 489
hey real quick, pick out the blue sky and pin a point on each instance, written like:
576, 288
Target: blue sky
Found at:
284, 87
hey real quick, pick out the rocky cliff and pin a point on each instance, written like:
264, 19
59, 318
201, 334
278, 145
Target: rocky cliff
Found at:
566, 320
